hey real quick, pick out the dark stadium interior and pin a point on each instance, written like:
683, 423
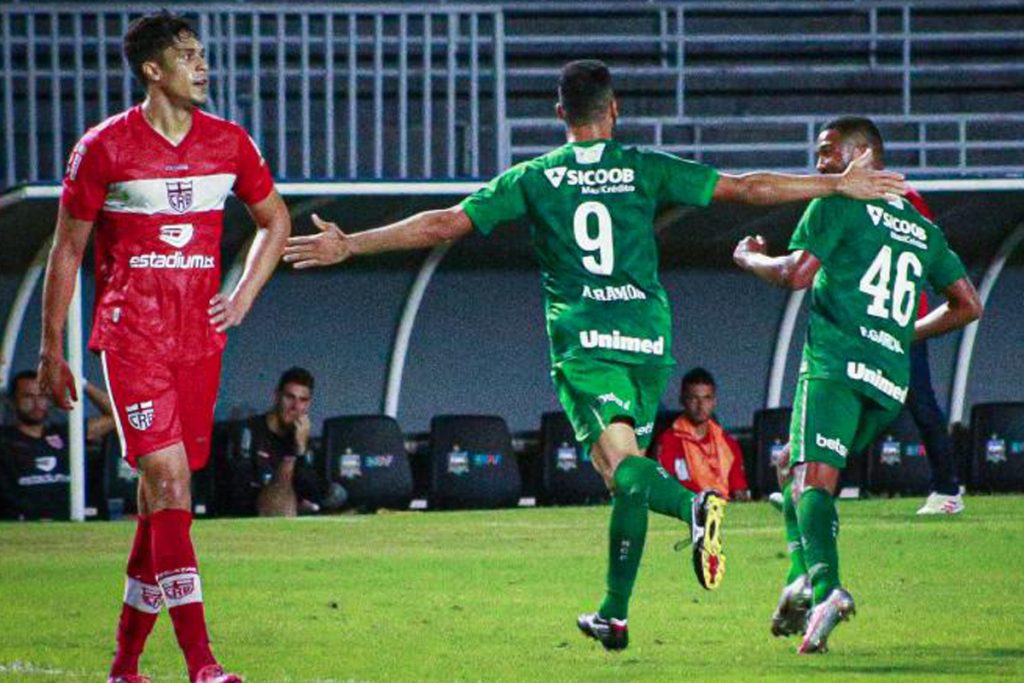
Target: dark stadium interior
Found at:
758, 83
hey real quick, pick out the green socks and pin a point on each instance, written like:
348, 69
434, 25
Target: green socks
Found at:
627, 532
797, 566
669, 497
819, 526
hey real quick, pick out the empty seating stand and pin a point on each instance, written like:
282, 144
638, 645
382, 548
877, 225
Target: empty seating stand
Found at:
471, 463
567, 475
366, 455
896, 461
997, 446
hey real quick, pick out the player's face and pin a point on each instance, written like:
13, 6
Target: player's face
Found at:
292, 403
184, 76
31, 404
699, 402
834, 155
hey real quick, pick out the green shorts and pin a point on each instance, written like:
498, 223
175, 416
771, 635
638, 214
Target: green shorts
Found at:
832, 420
596, 393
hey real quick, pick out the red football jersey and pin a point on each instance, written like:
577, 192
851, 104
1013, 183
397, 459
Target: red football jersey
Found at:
915, 198
158, 210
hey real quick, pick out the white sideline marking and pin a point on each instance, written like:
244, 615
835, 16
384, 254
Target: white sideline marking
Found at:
29, 669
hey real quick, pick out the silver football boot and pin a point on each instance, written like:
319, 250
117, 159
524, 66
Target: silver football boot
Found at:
838, 606
790, 616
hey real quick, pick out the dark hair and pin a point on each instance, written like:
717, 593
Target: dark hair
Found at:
296, 375
697, 376
584, 91
24, 374
852, 126
150, 35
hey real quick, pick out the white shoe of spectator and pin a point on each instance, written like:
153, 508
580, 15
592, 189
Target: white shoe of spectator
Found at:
942, 504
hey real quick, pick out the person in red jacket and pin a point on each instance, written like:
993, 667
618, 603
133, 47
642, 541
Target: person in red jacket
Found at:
696, 449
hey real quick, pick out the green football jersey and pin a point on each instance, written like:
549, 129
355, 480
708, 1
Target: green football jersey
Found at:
591, 206
875, 257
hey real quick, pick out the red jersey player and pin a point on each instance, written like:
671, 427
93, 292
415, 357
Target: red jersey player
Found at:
153, 181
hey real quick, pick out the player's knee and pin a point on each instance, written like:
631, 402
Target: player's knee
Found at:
632, 476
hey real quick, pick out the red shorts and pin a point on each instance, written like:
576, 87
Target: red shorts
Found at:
158, 404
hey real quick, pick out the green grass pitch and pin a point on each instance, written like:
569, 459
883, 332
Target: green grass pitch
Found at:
492, 596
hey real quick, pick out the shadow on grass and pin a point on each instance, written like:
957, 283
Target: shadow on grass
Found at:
928, 659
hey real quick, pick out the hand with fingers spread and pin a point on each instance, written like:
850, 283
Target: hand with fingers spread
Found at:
55, 379
227, 311
861, 180
328, 247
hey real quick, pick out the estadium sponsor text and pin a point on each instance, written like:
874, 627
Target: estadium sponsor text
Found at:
172, 261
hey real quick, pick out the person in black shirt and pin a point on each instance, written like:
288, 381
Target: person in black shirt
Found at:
278, 444
34, 458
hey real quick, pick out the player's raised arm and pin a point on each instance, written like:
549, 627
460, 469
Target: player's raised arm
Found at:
273, 226
859, 181
795, 270
963, 306
69, 242
331, 245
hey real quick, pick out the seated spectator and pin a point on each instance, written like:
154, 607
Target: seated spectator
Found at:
279, 439
696, 449
34, 458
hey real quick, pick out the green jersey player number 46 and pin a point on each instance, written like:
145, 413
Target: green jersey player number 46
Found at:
866, 263
591, 205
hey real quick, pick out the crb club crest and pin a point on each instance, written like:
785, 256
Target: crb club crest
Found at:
140, 415
179, 587
152, 596
179, 195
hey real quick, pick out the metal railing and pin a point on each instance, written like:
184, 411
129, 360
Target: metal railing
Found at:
923, 145
443, 91
326, 91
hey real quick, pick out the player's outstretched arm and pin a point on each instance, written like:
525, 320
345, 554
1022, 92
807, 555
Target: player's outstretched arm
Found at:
795, 270
963, 306
859, 181
273, 226
331, 245
69, 242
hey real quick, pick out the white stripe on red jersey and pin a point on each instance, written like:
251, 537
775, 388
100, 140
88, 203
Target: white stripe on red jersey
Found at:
170, 196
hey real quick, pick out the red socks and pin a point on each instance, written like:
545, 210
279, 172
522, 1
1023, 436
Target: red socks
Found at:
162, 569
142, 602
174, 561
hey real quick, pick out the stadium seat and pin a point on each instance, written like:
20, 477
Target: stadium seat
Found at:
896, 461
366, 455
771, 433
567, 475
233, 470
997, 439
471, 463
